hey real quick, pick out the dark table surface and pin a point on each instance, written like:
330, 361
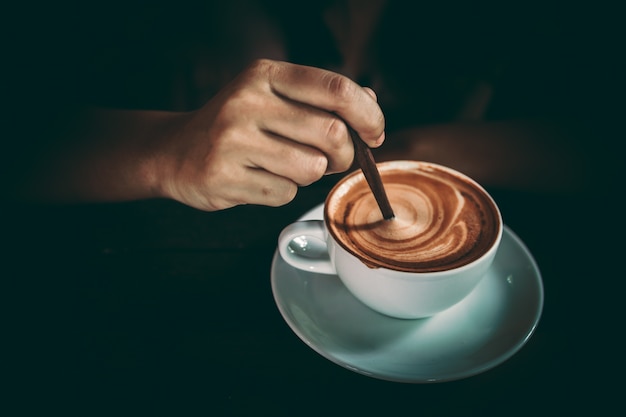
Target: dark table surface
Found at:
152, 307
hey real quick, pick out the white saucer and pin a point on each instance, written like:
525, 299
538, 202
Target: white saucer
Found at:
479, 333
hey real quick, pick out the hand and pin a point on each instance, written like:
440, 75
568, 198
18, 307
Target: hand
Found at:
277, 126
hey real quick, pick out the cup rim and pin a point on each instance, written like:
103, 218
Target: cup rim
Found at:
357, 175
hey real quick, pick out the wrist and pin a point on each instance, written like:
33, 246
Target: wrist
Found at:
160, 162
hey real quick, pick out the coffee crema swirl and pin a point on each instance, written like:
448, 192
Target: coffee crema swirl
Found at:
441, 221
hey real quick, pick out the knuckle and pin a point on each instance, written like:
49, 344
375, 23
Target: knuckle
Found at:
242, 97
260, 66
341, 164
342, 88
264, 71
341, 160
315, 169
336, 133
319, 167
228, 111
344, 164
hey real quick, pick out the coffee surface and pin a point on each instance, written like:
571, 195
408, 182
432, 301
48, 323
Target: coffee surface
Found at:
442, 221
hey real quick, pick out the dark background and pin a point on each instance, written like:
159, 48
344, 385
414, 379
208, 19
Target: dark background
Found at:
151, 307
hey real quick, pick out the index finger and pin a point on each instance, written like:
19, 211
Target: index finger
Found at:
332, 92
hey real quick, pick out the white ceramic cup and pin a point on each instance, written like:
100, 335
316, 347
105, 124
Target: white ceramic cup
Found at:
309, 246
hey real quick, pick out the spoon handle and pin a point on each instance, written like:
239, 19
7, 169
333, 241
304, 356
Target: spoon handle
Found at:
367, 164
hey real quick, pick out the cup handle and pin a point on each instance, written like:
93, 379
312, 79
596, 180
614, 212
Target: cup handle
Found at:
303, 245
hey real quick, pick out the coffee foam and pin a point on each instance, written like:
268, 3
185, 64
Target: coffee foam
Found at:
442, 220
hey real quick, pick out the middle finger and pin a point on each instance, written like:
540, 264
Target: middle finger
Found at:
312, 127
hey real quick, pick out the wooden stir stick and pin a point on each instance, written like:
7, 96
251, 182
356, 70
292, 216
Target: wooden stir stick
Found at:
367, 164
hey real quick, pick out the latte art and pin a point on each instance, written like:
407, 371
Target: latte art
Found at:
442, 221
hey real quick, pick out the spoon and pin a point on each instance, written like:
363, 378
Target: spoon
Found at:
367, 164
